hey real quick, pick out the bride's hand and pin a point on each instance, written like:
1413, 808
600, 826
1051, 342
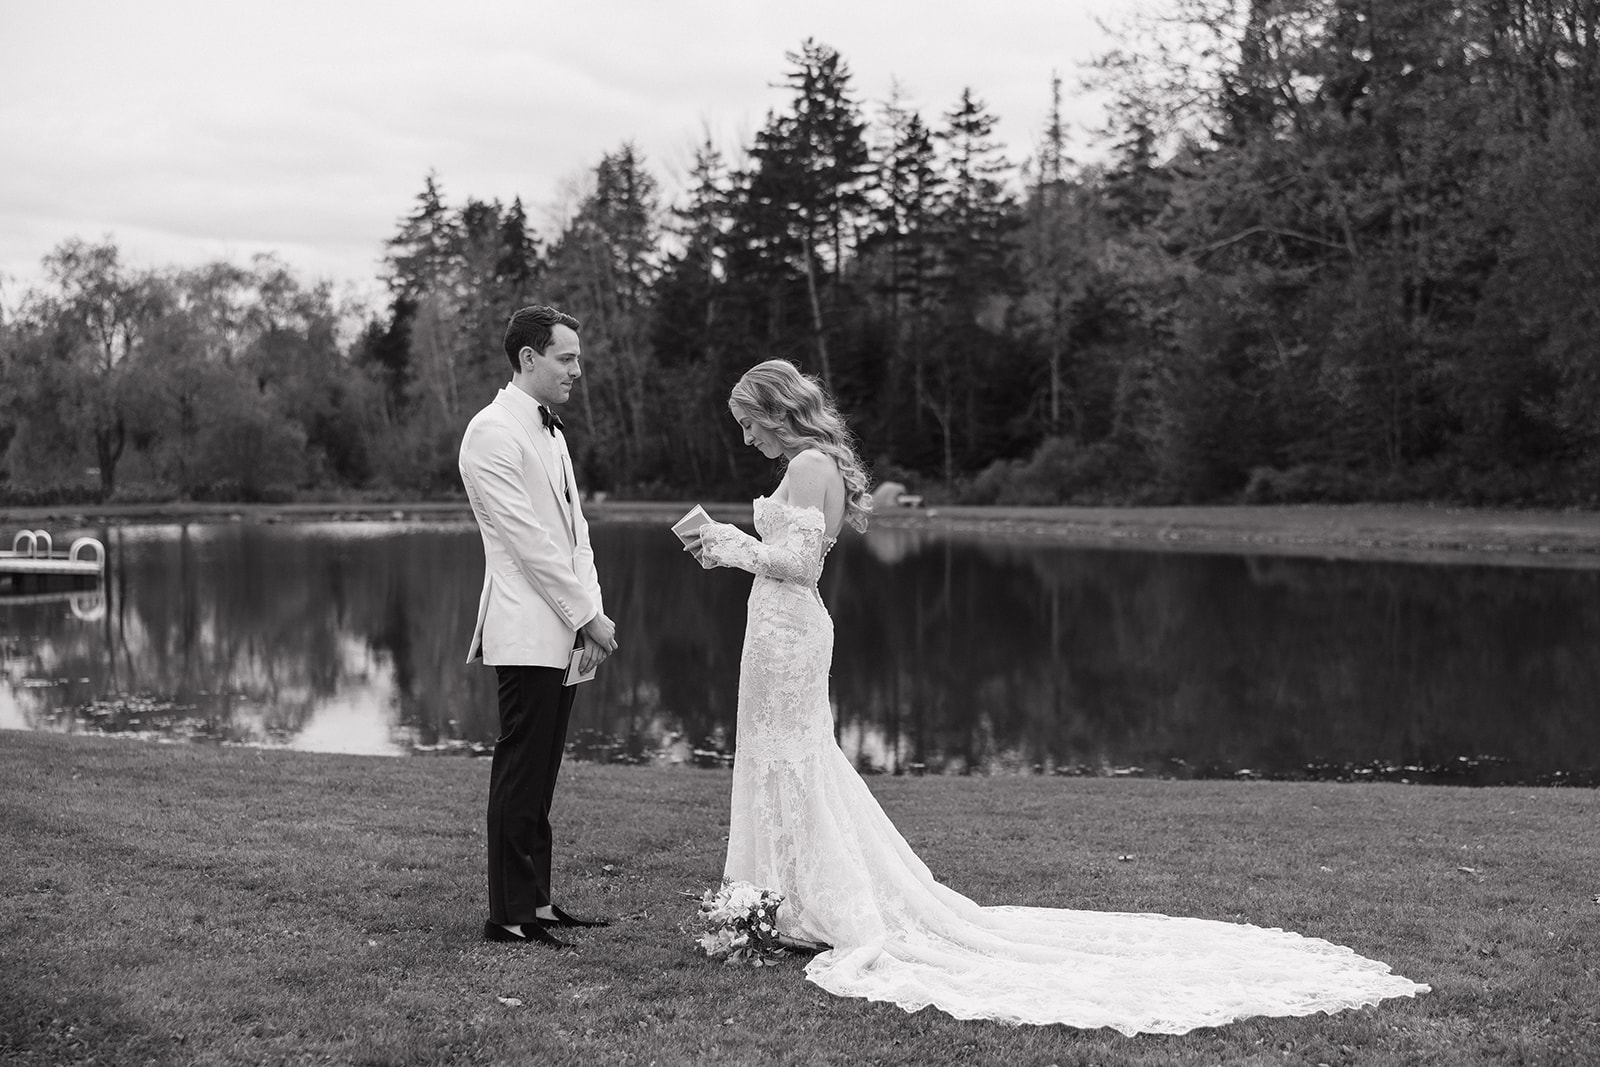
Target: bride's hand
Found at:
691, 543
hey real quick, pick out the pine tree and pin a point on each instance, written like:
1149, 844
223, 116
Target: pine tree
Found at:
694, 334
421, 253
691, 316
1052, 249
904, 200
423, 285
978, 212
975, 238
605, 264
806, 192
518, 268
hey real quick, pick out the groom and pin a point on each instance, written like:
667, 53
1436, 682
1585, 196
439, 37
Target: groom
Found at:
540, 604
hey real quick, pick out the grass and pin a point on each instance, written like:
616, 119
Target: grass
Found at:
188, 904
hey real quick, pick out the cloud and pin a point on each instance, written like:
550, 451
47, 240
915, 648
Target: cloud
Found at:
188, 130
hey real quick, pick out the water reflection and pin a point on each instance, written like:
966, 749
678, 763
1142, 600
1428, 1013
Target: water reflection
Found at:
956, 654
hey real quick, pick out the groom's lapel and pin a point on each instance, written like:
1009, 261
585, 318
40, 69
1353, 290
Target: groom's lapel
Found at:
533, 427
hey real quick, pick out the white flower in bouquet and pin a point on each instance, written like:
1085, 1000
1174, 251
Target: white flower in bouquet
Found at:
717, 942
744, 923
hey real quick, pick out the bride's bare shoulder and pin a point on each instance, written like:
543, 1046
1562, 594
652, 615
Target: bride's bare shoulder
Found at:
814, 462
812, 479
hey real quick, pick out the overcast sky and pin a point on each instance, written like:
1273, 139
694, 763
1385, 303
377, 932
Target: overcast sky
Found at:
189, 130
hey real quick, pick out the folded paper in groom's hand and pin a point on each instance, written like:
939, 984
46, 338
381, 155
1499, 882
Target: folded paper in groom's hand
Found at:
696, 518
575, 671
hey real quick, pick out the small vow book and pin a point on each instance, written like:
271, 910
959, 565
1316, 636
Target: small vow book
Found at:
696, 518
575, 671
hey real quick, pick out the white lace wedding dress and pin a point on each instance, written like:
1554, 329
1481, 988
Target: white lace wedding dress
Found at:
805, 824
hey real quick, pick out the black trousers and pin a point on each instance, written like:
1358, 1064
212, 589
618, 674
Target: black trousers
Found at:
534, 710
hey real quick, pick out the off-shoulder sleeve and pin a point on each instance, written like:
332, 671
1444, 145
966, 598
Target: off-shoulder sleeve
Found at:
794, 555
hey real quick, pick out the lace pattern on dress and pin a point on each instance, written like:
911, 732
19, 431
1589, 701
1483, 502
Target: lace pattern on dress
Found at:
791, 548
804, 823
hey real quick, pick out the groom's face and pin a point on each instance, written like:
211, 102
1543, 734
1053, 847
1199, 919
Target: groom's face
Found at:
550, 374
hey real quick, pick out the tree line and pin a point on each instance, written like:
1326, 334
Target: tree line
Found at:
1332, 250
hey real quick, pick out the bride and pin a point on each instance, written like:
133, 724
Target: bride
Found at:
803, 822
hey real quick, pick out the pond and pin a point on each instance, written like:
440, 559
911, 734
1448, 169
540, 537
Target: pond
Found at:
956, 653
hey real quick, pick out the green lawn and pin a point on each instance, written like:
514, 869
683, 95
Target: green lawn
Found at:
187, 904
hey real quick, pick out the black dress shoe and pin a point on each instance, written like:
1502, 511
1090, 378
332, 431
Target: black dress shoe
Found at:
563, 919
532, 934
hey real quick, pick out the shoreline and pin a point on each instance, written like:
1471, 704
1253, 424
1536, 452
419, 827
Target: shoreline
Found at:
1397, 532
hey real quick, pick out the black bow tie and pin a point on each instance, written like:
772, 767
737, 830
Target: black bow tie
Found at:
551, 420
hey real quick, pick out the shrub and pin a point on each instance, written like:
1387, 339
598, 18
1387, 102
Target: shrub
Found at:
1059, 472
144, 493
1304, 484
24, 496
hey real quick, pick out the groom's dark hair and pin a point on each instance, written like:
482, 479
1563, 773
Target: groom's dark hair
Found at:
531, 327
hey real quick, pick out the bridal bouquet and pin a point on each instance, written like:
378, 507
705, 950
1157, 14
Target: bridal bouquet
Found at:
744, 924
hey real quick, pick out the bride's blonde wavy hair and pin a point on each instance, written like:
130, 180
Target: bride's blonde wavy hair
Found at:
796, 410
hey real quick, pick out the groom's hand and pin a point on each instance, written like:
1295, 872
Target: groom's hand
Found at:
593, 655
603, 632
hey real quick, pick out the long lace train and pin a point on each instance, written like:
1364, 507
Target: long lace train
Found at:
804, 823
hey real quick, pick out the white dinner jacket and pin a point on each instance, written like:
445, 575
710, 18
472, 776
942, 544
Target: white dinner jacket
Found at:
539, 580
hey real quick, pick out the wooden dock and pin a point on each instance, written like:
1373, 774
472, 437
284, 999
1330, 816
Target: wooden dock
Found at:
33, 553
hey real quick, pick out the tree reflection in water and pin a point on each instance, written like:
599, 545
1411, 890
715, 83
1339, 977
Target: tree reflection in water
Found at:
956, 653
